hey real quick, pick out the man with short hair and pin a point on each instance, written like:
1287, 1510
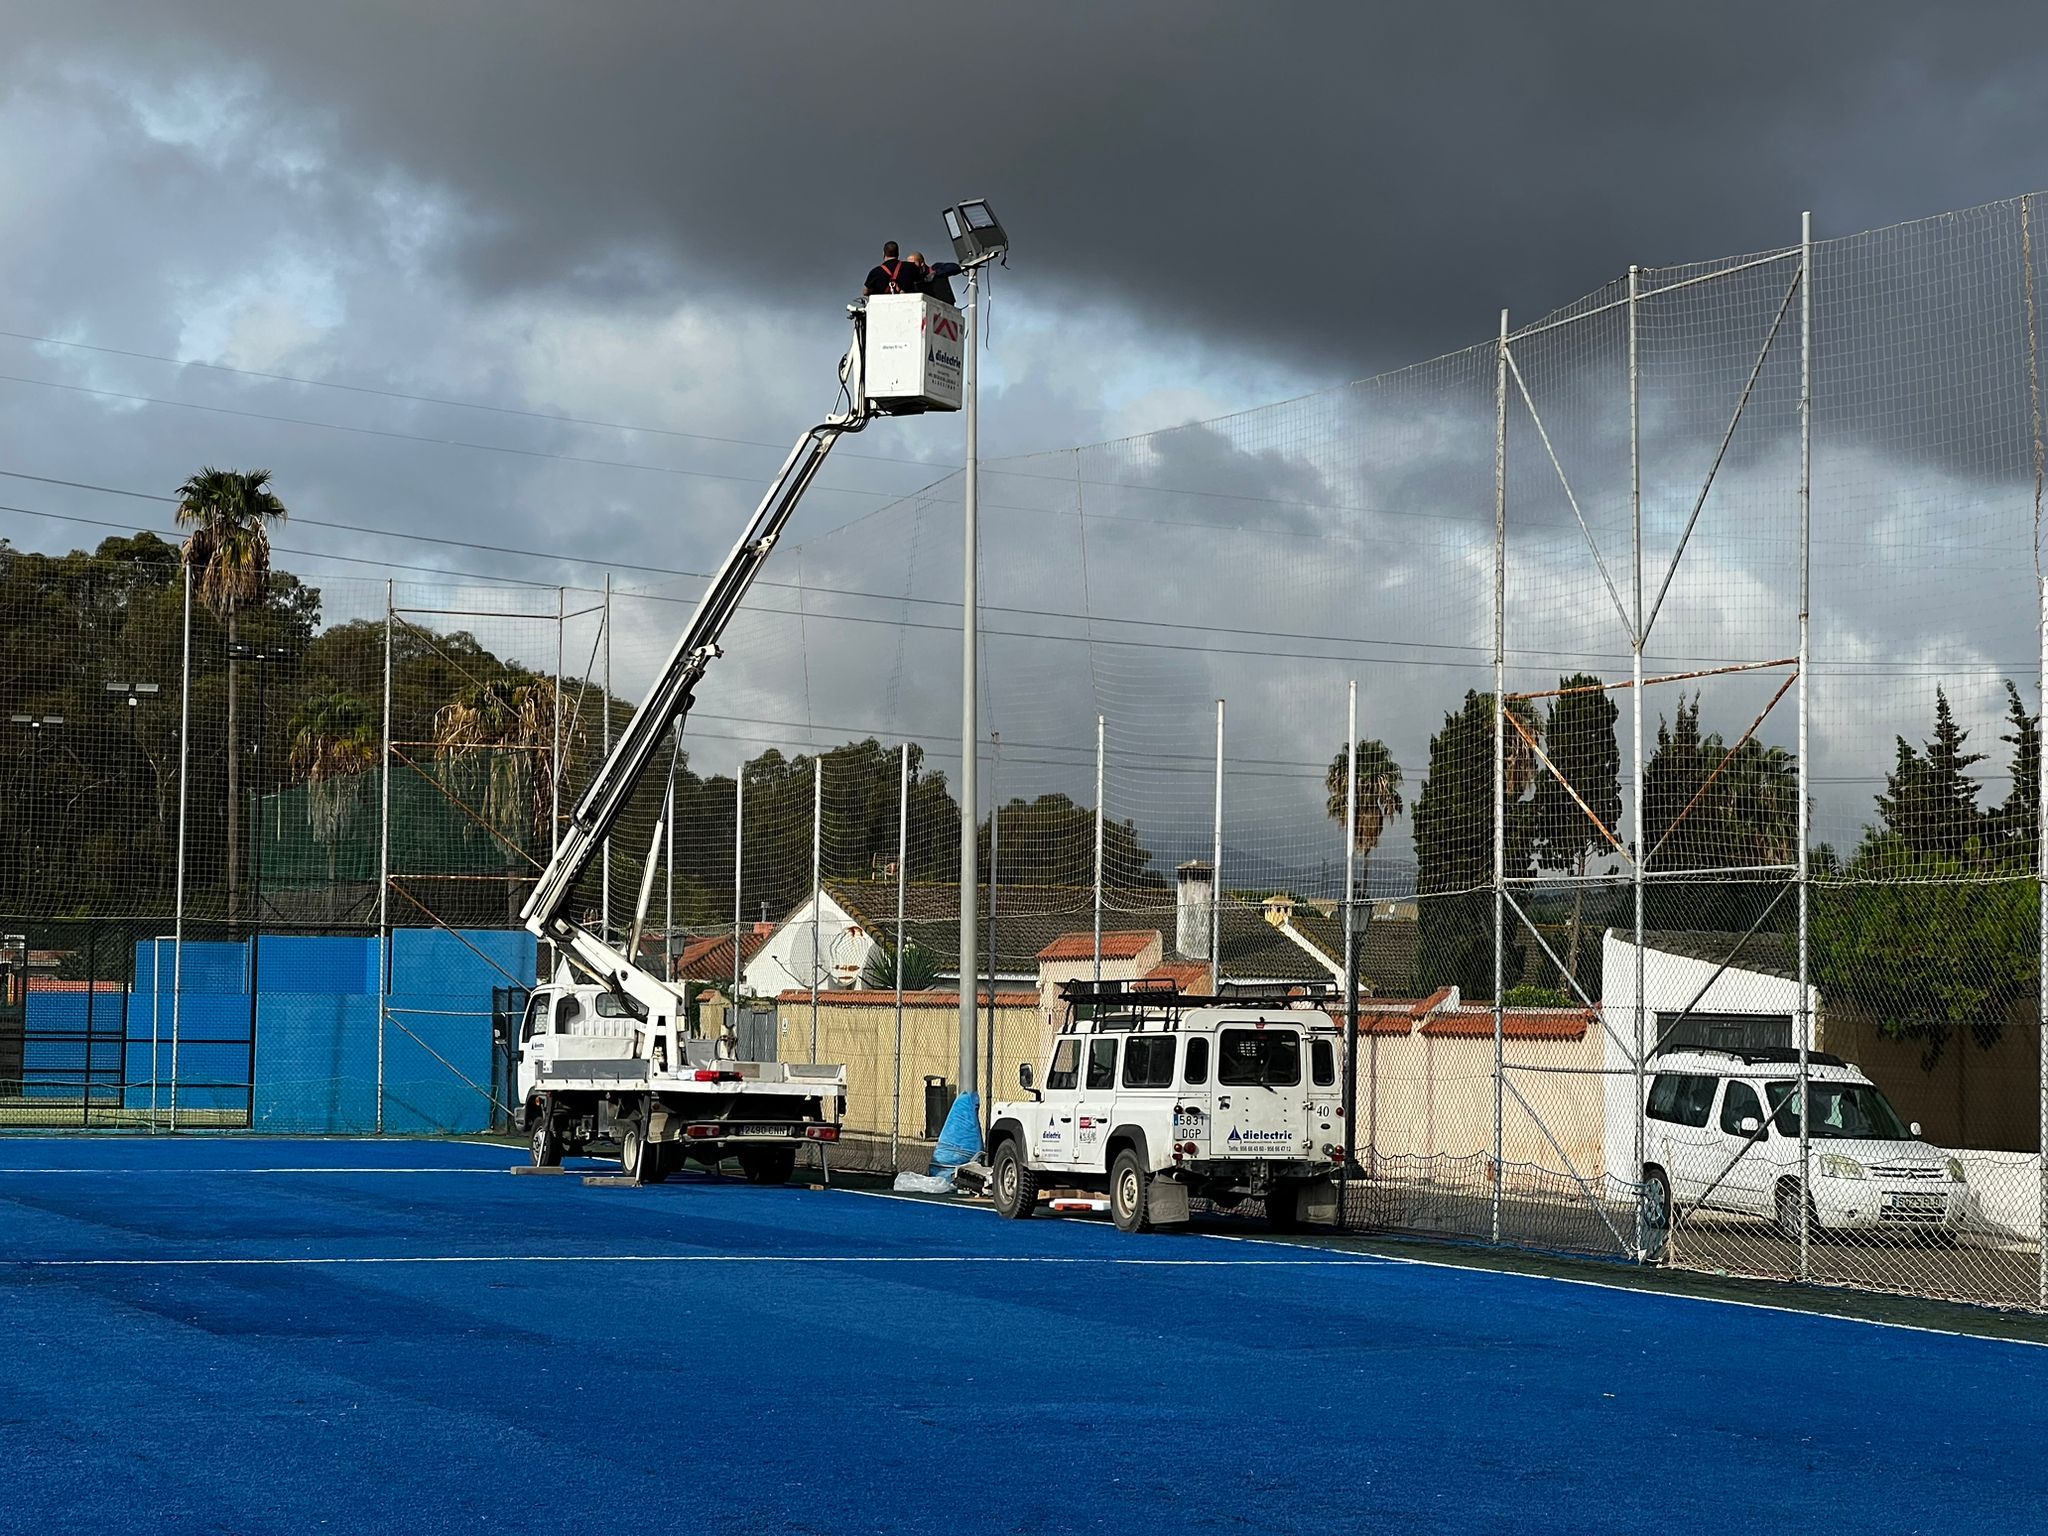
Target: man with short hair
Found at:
893, 275
936, 278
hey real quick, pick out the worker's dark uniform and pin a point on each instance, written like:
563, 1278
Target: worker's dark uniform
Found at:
894, 277
937, 280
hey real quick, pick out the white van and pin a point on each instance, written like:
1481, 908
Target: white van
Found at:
1721, 1133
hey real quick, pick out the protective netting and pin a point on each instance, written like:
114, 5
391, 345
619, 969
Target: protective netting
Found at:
1676, 916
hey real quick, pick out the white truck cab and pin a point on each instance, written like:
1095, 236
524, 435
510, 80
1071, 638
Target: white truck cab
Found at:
1159, 1098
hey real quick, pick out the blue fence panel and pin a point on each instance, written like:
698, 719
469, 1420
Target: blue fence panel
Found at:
316, 1040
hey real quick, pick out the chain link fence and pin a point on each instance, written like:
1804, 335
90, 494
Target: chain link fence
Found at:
1694, 861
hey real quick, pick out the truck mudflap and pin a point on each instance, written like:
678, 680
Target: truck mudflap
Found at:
1166, 1203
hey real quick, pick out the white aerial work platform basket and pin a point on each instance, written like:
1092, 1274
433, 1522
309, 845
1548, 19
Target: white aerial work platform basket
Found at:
916, 348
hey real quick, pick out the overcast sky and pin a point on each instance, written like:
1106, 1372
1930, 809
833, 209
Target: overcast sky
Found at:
649, 214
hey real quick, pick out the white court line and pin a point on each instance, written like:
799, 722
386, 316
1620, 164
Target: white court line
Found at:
1522, 1274
112, 1172
675, 1258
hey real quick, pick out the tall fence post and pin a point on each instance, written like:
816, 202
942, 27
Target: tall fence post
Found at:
1500, 804
184, 786
902, 888
1350, 956
1098, 850
1805, 606
605, 897
818, 889
555, 755
2041, 796
1638, 773
1216, 870
995, 865
739, 849
384, 867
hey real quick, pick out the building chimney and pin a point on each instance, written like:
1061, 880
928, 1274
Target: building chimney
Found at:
1195, 888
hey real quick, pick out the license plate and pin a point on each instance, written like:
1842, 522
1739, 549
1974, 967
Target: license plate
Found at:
762, 1130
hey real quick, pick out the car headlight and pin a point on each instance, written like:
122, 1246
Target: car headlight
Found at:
1836, 1166
1955, 1171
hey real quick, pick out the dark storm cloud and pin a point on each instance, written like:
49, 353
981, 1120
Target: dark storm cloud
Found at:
1352, 185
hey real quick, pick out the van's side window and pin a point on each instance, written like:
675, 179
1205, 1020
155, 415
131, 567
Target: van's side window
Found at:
1680, 1098
1065, 1070
1195, 1068
1148, 1061
536, 1016
1322, 1057
1102, 1062
1741, 1103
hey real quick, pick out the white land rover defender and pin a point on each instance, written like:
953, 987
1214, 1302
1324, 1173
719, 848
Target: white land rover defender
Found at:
1159, 1098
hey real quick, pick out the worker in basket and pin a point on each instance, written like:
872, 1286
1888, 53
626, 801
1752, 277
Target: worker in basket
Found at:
936, 278
893, 274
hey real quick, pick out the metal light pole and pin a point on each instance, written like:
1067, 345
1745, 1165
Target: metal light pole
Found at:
970, 729
978, 238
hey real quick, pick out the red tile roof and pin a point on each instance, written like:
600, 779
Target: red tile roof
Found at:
1126, 944
1189, 975
710, 959
1517, 1024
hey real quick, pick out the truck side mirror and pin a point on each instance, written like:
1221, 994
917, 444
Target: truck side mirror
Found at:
1026, 1078
1748, 1125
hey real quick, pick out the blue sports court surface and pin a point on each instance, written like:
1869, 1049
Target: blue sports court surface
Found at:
239, 1335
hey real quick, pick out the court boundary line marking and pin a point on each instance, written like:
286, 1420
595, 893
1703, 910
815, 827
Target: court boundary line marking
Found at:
1525, 1274
293, 1261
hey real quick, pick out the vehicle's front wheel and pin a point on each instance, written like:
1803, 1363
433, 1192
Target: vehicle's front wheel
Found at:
636, 1159
1656, 1200
546, 1138
1283, 1208
1788, 1213
1130, 1183
1016, 1183
768, 1165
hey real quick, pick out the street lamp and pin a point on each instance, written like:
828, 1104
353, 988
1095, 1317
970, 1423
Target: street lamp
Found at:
262, 657
978, 238
133, 693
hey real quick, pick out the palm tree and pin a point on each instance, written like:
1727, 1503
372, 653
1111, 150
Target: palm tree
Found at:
229, 512
334, 742
513, 719
1379, 797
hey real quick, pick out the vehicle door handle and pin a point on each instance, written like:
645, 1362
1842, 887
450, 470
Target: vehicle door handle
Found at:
1066, 1119
1224, 1102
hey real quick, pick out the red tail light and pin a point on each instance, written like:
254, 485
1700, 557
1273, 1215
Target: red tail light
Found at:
821, 1133
712, 1075
703, 1132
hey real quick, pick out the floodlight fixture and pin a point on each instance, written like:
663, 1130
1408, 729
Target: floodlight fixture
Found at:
977, 234
133, 693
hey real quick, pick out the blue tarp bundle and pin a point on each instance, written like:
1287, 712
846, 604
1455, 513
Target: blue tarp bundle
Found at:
960, 1139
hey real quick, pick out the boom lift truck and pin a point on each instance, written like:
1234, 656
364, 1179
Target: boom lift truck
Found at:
606, 1048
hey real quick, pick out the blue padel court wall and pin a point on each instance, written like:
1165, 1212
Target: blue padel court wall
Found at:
316, 1032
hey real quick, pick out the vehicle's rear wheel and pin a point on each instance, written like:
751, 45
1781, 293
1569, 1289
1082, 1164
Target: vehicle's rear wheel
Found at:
767, 1165
547, 1137
1788, 1213
1016, 1184
1283, 1208
1130, 1183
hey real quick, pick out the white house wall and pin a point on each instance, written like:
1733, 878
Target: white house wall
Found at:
784, 961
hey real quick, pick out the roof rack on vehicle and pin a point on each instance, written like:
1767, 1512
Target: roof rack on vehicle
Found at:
1756, 1055
1133, 1004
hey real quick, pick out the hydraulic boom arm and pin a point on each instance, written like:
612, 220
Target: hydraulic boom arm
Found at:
547, 912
